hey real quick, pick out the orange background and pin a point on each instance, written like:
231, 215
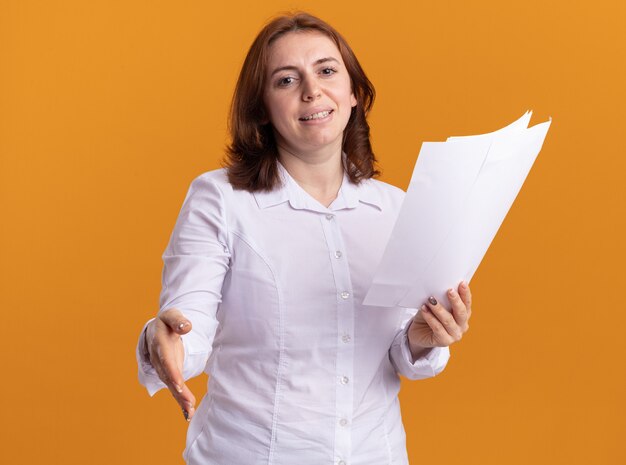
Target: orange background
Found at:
108, 109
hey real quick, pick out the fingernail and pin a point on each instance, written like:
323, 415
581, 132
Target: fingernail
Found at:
424, 309
463, 284
186, 414
181, 326
432, 300
178, 388
451, 292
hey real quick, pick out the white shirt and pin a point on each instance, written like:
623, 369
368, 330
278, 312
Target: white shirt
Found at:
300, 372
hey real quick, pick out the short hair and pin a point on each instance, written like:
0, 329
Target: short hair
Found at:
251, 157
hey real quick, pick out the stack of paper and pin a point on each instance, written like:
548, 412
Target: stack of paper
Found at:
460, 192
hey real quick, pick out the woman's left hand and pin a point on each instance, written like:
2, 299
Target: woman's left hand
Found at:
435, 326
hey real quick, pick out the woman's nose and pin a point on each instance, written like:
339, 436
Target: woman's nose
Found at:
310, 90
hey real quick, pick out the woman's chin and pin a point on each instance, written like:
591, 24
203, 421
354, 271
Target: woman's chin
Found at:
313, 145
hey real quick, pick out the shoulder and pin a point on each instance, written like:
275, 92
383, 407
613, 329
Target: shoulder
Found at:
215, 178
207, 191
212, 183
212, 189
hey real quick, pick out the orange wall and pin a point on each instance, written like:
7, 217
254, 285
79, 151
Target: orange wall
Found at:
108, 109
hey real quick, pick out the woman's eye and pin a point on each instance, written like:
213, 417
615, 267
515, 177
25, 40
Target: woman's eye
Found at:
329, 71
285, 81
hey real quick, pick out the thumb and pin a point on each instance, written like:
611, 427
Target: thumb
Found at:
175, 320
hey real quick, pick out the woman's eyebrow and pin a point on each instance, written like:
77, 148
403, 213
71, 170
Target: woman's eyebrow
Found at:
294, 68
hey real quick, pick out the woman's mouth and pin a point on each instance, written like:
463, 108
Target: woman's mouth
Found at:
318, 115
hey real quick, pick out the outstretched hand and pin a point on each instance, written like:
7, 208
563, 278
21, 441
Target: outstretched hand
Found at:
167, 355
436, 326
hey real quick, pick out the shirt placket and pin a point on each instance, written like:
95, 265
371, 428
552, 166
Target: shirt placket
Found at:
345, 340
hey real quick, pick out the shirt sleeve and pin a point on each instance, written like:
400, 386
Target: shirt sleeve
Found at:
195, 263
428, 365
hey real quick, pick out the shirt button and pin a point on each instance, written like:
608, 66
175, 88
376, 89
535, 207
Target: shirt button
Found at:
330, 217
344, 380
343, 422
345, 295
338, 254
346, 338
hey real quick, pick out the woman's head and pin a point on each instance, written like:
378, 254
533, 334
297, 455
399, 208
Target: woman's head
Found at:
253, 151
308, 96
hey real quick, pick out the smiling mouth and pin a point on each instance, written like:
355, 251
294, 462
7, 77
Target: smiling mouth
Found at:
318, 115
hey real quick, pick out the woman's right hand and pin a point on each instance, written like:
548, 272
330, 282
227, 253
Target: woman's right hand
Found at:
167, 354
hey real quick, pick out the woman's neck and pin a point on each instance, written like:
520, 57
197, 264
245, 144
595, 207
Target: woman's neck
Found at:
319, 174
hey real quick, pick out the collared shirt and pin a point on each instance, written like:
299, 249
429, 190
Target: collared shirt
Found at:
300, 372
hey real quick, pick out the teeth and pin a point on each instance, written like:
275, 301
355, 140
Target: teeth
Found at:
321, 114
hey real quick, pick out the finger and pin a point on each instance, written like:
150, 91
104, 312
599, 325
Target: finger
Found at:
175, 320
445, 317
187, 402
170, 374
185, 399
440, 336
459, 310
466, 296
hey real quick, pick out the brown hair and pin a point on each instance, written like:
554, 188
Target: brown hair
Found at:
252, 155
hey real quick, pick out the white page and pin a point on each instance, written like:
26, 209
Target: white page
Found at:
459, 194
516, 126
436, 170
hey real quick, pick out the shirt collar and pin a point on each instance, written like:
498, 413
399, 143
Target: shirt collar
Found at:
289, 190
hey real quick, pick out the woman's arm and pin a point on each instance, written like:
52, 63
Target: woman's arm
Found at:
179, 340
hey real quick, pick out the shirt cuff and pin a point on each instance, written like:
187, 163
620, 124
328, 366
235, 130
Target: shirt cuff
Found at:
430, 364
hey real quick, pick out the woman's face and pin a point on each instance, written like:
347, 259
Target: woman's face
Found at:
308, 95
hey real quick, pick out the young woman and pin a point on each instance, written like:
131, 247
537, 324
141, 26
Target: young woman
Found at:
267, 267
